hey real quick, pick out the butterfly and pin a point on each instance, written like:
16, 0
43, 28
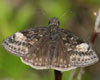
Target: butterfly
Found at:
50, 47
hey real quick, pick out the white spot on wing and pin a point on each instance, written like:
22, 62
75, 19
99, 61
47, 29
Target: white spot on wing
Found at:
19, 36
83, 47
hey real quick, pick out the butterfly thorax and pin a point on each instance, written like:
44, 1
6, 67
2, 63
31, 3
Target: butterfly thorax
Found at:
53, 28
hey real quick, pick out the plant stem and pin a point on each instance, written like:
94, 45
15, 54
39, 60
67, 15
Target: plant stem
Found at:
94, 35
58, 75
96, 28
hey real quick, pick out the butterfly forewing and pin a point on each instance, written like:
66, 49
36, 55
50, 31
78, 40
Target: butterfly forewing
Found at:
20, 43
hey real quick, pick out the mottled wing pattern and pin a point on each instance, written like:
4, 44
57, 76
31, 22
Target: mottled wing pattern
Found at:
38, 56
31, 45
20, 43
16, 44
60, 58
71, 52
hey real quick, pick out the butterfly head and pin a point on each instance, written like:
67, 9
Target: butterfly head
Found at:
53, 24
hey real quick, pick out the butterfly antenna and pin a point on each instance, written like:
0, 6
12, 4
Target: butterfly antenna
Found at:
65, 14
39, 10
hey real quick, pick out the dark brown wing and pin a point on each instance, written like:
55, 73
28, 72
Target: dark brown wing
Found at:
60, 59
31, 45
71, 52
38, 56
20, 43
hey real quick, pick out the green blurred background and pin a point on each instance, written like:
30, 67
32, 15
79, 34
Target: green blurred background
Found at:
16, 15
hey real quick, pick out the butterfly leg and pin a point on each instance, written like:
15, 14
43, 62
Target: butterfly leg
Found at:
73, 74
79, 77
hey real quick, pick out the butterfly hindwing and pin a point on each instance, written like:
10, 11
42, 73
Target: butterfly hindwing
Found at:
60, 59
38, 56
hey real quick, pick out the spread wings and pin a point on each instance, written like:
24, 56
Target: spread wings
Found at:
33, 46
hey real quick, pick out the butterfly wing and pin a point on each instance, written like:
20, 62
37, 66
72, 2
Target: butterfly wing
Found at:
38, 56
60, 58
71, 52
20, 43
31, 45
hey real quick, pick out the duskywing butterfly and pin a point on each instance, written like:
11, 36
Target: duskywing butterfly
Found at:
50, 47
